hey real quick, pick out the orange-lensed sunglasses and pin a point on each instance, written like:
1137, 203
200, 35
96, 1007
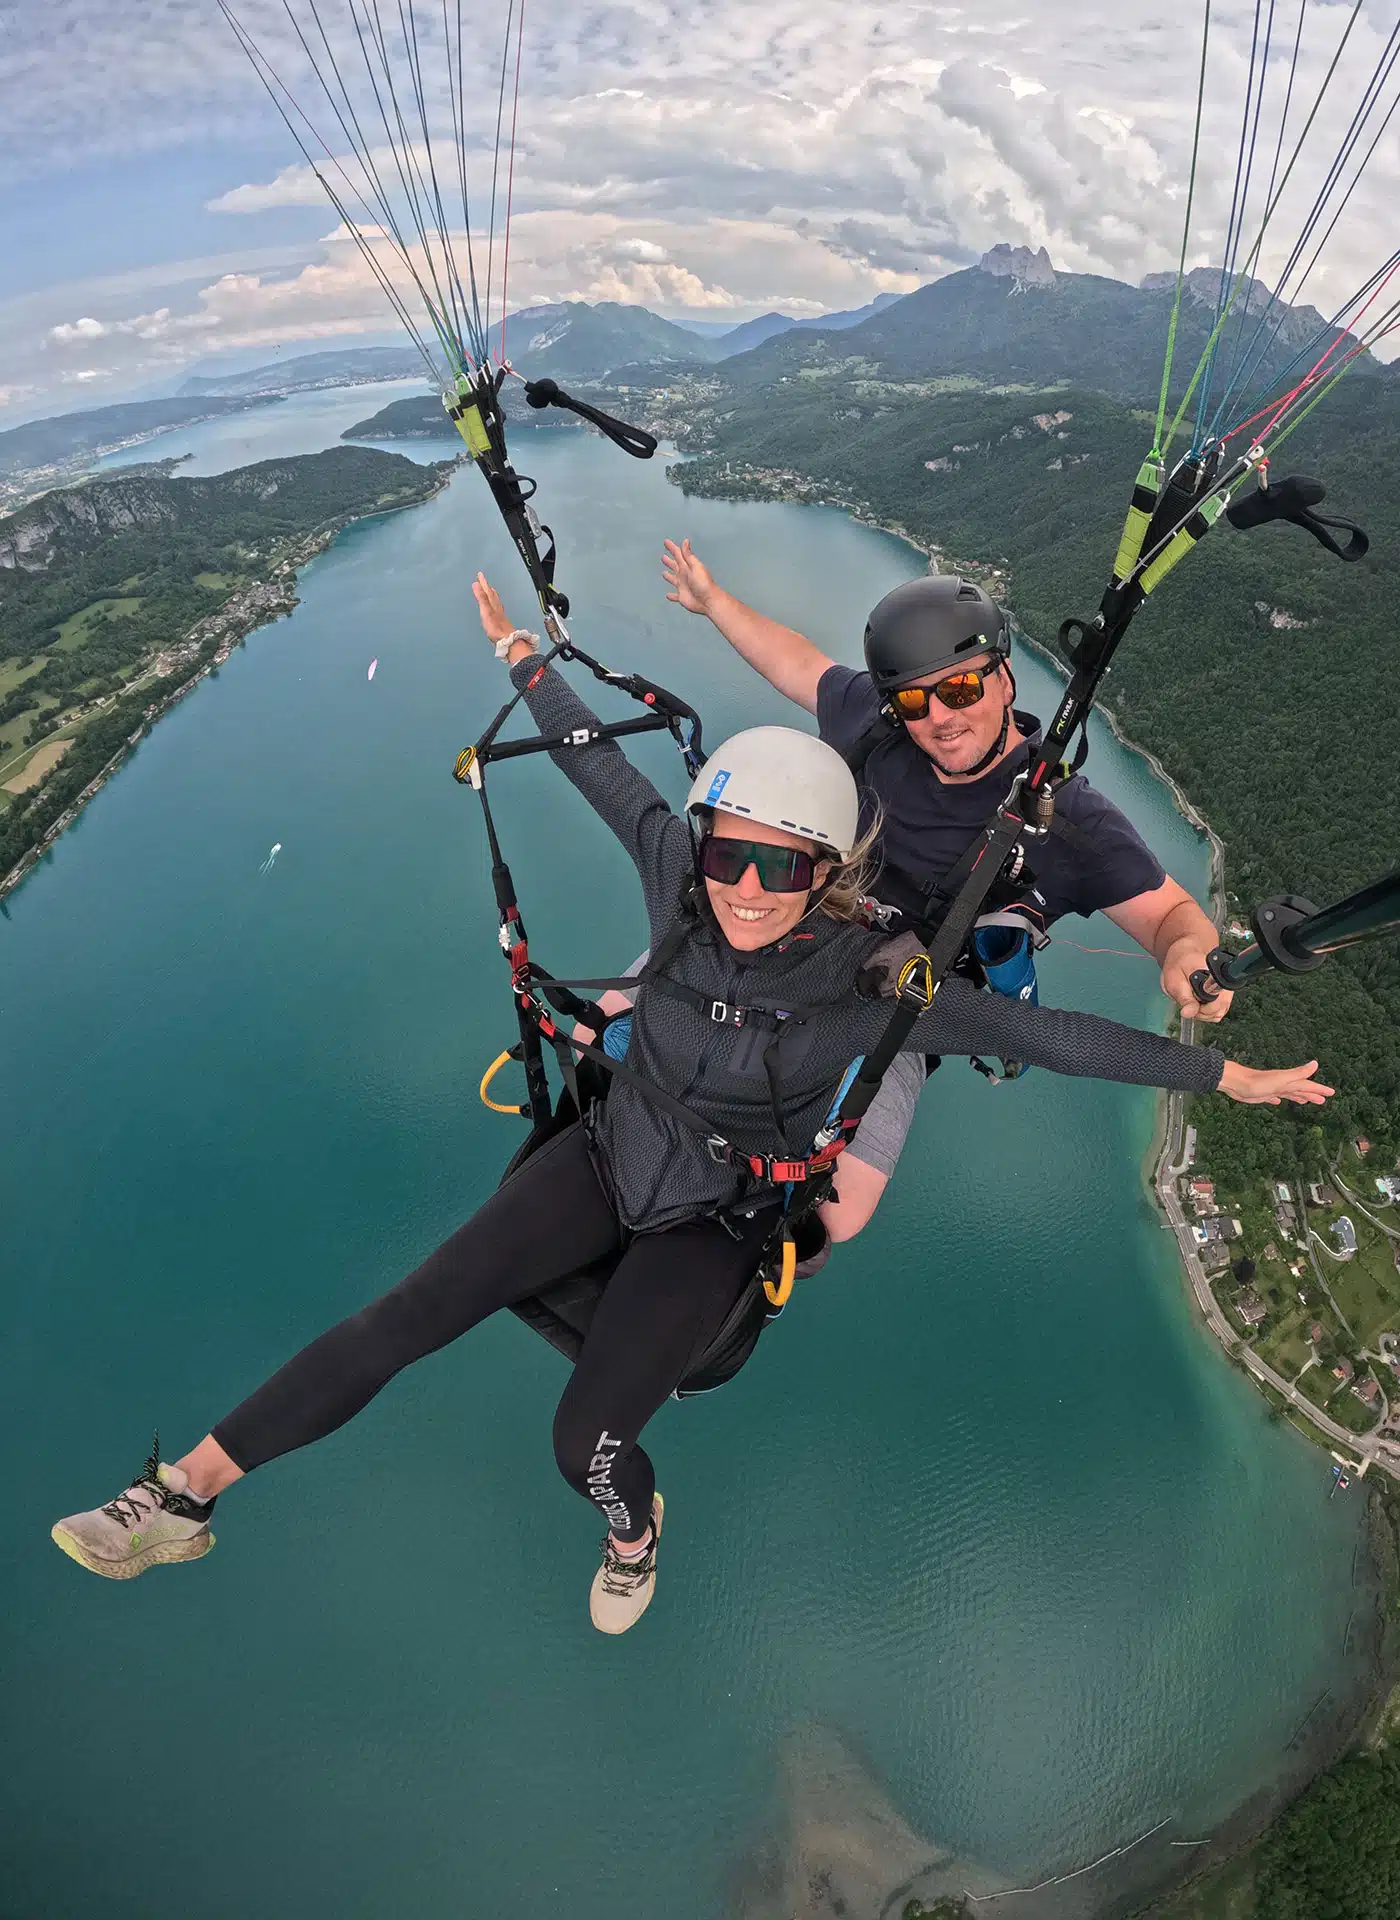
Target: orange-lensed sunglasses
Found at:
956, 690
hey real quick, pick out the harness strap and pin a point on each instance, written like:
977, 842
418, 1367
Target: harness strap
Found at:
767, 1168
921, 977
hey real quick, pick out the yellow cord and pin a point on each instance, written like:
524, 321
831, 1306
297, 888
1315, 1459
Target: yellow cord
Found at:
489, 1076
778, 1294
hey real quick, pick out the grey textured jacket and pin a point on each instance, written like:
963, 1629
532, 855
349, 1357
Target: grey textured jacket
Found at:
660, 1172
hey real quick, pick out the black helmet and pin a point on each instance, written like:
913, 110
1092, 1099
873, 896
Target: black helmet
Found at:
929, 625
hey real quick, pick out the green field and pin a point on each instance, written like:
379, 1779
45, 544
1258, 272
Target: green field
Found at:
1367, 1287
14, 764
76, 628
216, 582
13, 675
1289, 1350
12, 735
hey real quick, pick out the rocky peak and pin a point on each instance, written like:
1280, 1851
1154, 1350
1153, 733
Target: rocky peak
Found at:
1027, 269
1295, 326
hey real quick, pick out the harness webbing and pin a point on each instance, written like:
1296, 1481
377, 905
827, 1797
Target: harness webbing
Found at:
970, 882
667, 712
532, 985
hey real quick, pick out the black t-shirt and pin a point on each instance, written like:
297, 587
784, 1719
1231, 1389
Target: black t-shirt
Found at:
928, 824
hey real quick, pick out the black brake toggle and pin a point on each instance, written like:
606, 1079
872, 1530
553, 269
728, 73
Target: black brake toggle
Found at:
634, 440
1293, 499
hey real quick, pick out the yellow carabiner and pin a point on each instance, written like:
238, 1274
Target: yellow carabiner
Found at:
466, 761
920, 967
511, 1053
778, 1293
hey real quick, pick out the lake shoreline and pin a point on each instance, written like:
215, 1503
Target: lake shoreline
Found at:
208, 645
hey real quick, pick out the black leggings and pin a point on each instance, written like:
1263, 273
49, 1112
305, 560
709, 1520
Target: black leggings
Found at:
664, 1303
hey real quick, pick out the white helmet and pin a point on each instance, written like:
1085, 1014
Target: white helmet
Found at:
782, 778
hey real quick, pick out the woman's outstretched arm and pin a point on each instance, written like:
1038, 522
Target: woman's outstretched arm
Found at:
965, 1020
655, 840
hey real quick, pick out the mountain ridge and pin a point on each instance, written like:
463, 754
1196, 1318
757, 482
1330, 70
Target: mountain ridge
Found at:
984, 323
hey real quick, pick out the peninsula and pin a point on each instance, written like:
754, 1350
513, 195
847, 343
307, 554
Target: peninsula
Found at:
117, 597
57, 451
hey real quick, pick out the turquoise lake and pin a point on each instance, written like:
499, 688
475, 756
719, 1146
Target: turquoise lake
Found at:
987, 1503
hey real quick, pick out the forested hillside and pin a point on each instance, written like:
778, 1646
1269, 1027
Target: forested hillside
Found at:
341, 365
101, 585
420, 416
1263, 673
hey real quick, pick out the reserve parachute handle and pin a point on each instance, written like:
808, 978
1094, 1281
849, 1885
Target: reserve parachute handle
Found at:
501, 1059
778, 1291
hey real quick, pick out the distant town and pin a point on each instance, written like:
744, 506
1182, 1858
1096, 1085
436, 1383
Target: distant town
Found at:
1300, 1281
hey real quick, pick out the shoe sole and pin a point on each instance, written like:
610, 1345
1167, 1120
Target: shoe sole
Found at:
658, 1515
163, 1553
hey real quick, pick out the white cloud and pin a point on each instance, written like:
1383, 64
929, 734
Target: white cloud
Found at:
646, 251
719, 155
85, 329
292, 187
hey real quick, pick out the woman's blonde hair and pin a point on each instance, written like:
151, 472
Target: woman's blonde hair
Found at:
850, 879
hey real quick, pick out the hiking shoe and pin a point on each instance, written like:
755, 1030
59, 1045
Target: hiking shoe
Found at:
155, 1521
622, 1589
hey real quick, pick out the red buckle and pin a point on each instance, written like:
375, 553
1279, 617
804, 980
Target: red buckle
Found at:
518, 956
541, 1018
789, 1169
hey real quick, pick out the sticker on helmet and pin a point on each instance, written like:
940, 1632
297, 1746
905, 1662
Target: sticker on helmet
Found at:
717, 786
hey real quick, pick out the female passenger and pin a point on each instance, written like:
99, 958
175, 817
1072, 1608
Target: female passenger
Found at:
754, 1018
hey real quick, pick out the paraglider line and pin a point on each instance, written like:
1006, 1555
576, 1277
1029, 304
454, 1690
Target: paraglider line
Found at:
1156, 453
510, 175
276, 91
1203, 364
1370, 99
496, 162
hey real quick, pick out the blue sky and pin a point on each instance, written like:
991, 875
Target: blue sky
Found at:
718, 158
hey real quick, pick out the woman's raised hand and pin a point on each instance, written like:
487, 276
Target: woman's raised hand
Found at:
1265, 1087
493, 614
496, 623
687, 577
